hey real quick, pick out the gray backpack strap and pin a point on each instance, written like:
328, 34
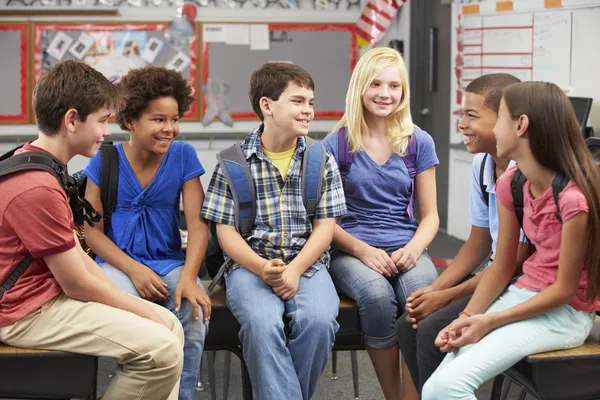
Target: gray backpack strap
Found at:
237, 171
313, 170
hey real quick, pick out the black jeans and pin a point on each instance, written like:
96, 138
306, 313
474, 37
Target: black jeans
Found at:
417, 345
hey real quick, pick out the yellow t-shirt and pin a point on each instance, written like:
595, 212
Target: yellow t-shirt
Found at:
281, 160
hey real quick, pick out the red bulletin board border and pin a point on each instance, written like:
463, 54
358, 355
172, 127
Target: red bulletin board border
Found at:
38, 28
23, 116
351, 28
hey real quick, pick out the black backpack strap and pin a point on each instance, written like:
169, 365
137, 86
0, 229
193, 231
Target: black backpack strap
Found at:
482, 185
15, 274
516, 187
559, 182
34, 160
313, 170
110, 182
237, 171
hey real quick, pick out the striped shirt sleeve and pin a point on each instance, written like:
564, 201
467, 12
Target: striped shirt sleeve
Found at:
219, 206
333, 201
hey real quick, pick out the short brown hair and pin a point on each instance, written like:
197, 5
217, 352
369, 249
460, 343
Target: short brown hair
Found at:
271, 80
67, 85
142, 85
491, 86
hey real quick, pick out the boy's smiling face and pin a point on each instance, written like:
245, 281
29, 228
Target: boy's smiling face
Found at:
292, 113
477, 124
87, 136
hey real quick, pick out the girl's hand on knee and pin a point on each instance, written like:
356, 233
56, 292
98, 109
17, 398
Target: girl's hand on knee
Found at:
148, 284
405, 258
470, 330
188, 289
378, 260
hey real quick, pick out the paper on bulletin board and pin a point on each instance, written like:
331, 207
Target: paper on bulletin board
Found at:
81, 46
214, 33
179, 63
59, 45
259, 37
151, 50
237, 34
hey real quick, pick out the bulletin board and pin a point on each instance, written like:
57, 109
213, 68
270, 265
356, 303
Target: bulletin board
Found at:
327, 51
113, 49
14, 79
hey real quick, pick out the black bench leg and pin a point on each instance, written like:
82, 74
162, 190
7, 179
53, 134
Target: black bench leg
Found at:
354, 361
497, 387
334, 365
246, 384
92, 395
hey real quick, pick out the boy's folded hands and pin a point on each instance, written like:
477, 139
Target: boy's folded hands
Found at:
282, 279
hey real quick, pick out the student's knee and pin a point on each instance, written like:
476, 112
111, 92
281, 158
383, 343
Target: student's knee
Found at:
262, 325
376, 298
404, 330
427, 331
167, 354
195, 329
447, 384
320, 321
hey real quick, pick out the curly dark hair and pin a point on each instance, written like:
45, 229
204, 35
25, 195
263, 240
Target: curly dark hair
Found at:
142, 85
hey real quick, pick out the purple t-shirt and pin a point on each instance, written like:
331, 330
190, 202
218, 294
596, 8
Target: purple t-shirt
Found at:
377, 197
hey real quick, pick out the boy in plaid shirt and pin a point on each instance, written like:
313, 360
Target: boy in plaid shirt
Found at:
279, 275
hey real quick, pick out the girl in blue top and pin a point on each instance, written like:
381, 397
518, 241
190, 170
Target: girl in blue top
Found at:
141, 253
380, 258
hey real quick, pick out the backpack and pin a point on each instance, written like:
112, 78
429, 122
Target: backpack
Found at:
11, 163
108, 190
234, 165
559, 182
482, 185
74, 187
345, 158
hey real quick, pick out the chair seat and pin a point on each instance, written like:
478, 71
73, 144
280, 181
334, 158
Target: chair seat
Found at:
46, 374
561, 374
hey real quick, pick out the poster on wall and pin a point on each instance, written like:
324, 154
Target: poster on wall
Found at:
112, 49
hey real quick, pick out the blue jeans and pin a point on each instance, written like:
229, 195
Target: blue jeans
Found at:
284, 366
380, 299
460, 374
194, 331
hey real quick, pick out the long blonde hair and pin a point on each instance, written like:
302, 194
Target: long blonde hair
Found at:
399, 123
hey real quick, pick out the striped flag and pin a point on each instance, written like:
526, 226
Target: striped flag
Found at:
375, 20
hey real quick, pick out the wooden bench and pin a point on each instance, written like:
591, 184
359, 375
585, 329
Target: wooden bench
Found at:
572, 374
46, 374
224, 330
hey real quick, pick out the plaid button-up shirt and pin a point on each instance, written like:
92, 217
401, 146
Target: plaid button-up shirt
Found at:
282, 225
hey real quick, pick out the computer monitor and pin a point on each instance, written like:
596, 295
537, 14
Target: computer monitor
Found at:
582, 107
593, 144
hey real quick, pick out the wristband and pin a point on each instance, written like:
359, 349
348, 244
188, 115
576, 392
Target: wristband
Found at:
464, 313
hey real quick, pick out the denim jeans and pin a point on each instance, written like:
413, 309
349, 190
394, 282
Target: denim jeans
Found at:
461, 373
380, 299
284, 366
194, 331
